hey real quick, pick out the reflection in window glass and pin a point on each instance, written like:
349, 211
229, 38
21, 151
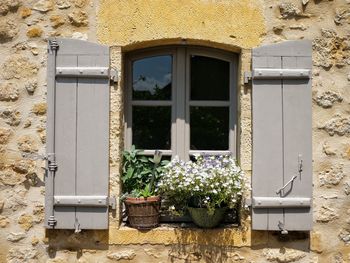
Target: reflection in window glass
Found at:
151, 78
151, 127
209, 128
210, 78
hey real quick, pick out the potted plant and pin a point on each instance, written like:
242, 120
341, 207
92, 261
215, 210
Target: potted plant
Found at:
140, 174
207, 187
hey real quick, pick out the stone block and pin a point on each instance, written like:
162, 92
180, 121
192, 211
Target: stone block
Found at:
11, 116
122, 255
332, 176
283, 255
27, 144
25, 221
78, 18
57, 21
8, 30
8, 91
9, 6
17, 67
15, 237
25, 12
43, 6
34, 32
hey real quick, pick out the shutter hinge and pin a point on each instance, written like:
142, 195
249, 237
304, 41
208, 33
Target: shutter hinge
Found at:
53, 44
34, 156
247, 77
51, 221
113, 74
248, 202
112, 202
52, 165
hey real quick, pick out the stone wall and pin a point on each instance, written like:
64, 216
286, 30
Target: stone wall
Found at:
25, 26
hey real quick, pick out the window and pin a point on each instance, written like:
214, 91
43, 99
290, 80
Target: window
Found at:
182, 101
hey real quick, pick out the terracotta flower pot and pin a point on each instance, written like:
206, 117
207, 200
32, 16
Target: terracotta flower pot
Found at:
143, 213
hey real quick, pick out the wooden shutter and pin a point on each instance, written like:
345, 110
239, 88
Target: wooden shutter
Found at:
77, 135
282, 154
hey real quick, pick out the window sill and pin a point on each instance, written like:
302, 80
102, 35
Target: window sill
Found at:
168, 234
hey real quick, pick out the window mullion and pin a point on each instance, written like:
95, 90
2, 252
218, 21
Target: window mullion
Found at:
209, 103
187, 105
180, 103
152, 103
233, 109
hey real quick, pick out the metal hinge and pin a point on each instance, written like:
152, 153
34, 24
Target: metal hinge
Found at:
247, 77
248, 202
51, 159
113, 74
51, 221
112, 202
280, 202
267, 73
53, 44
34, 156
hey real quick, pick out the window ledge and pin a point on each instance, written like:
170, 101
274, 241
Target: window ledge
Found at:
167, 234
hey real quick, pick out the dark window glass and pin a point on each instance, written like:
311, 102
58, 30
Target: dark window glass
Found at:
210, 78
209, 127
151, 127
151, 78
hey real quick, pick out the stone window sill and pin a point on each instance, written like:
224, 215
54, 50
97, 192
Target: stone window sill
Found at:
168, 234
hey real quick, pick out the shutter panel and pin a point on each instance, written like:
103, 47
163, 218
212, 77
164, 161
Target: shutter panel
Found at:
77, 135
282, 123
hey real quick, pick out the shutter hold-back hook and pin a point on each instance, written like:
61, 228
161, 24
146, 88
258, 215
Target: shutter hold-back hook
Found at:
281, 227
77, 226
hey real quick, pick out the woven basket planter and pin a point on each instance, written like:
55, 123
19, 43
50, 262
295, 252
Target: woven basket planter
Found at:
143, 213
202, 218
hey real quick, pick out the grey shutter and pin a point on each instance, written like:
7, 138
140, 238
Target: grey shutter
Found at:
282, 154
77, 135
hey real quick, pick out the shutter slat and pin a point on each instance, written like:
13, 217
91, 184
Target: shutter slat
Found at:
267, 119
297, 142
93, 140
65, 147
81, 137
282, 137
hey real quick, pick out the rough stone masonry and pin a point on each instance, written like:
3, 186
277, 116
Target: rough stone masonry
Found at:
25, 26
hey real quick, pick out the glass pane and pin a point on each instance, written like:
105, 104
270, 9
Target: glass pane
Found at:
209, 128
151, 127
151, 78
210, 79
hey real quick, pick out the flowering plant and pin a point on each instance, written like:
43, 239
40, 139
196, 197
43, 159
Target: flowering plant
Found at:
207, 182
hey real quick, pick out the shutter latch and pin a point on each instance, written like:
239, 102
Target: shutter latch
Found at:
289, 182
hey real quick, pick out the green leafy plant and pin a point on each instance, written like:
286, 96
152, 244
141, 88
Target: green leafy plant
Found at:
141, 173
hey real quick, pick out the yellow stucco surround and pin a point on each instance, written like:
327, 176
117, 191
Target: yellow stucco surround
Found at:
234, 26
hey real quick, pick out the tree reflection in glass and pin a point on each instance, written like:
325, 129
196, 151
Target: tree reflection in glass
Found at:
209, 128
152, 78
151, 127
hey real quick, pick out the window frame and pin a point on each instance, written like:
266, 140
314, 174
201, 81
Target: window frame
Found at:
180, 101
